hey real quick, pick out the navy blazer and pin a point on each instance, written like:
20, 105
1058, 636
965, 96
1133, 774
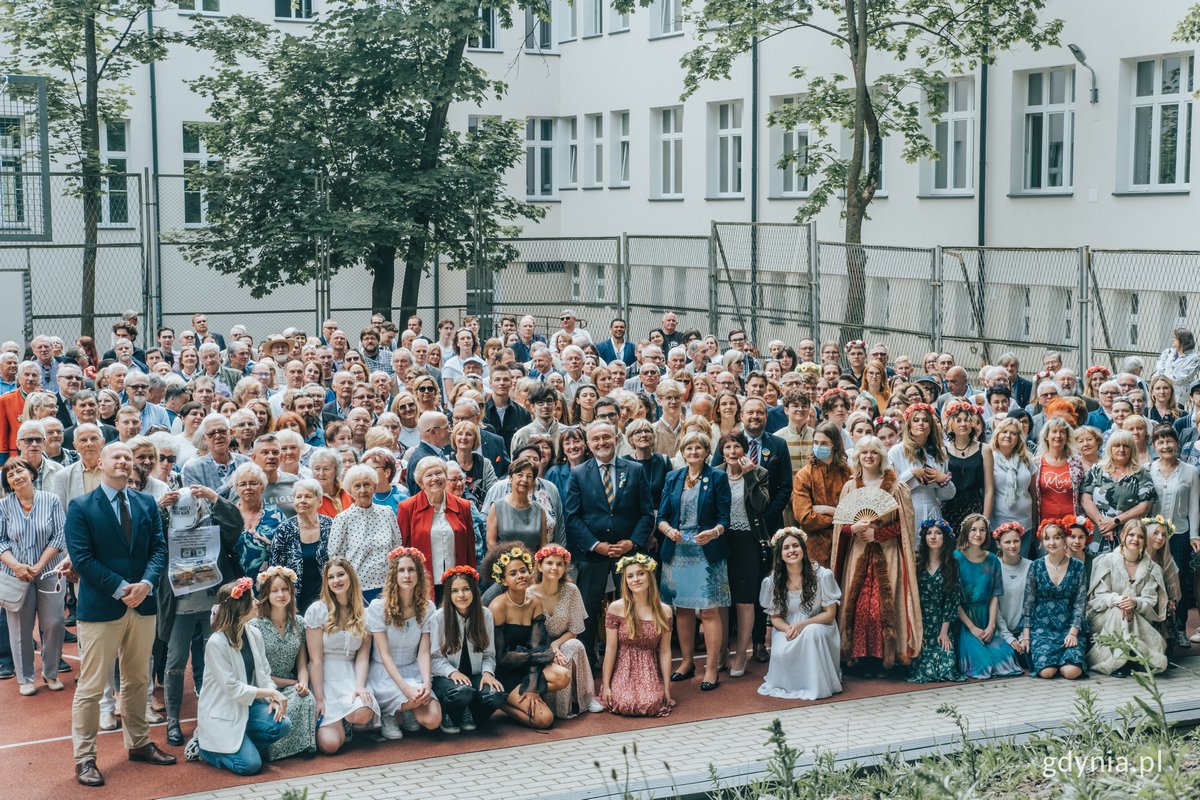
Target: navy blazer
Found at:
102, 559
627, 355
714, 502
515, 418
589, 518
777, 419
1023, 391
495, 451
777, 460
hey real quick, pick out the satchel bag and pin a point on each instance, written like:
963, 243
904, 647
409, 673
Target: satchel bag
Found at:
12, 592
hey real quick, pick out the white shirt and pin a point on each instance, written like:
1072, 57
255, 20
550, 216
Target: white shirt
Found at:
441, 544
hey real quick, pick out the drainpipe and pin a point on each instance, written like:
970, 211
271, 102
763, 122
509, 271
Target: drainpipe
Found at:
154, 170
756, 298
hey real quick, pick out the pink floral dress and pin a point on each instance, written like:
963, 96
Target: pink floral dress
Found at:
637, 685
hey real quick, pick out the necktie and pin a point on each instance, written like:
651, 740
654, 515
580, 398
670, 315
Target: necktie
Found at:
126, 520
753, 452
606, 479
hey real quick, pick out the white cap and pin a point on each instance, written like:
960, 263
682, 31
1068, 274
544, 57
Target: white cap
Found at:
186, 511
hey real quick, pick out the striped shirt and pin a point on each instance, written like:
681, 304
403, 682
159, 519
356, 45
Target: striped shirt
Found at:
27, 536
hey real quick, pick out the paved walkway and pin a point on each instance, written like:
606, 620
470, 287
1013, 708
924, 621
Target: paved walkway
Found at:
733, 746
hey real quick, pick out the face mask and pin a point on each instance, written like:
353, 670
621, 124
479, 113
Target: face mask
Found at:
822, 452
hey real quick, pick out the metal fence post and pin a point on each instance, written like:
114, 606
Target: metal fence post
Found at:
27, 292
1084, 321
148, 287
712, 279
814, 285
623, 277
935, 284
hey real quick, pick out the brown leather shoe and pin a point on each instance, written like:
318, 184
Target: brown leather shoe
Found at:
150, 754
87, 774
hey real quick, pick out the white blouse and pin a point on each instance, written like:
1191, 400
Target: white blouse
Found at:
1178, 497
441, 544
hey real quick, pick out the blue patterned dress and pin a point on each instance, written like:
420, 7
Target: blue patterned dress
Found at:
1051, 611
980, 583
691, 580
934, 663
254, 547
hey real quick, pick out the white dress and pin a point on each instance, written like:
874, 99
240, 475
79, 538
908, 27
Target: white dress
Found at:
404, 642
338, 679
809, 666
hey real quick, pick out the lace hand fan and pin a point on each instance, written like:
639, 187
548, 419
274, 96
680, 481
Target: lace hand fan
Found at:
868, 503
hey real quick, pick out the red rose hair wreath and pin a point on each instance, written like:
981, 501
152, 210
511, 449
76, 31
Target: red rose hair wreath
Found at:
961, 407
552, 550
915, 407
240, 586
412, 552
462, 569
998, 534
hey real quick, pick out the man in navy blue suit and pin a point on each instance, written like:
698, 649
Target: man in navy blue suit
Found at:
609, 514
617, 347
117, 550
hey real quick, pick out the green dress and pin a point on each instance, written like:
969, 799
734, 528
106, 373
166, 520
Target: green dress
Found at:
302, 711
935, 664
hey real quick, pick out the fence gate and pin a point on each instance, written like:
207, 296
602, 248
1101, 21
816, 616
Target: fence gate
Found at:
761, 279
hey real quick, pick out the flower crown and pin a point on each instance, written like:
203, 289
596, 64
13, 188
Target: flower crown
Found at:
552, 550
277, 571
466, 570
793, 531
915, 407
240, 587
855, 343
998, 534
506, 558
412, 552
835, 392
889, 422
1073, 521
1063, 523
641, 558
961, 407
1161, 521
940, 524
1092, 370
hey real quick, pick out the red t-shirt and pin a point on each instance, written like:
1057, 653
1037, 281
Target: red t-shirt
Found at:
1054, 484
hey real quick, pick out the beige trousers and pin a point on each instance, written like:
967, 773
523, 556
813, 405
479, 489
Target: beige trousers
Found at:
130, 638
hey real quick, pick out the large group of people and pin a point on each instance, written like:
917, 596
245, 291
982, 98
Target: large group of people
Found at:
430, 532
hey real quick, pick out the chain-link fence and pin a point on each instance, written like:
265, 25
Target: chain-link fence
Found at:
761, 280
667, 273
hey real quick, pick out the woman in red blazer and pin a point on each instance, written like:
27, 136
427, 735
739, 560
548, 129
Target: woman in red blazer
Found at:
434, 518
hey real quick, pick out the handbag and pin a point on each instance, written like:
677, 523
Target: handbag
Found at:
12, 592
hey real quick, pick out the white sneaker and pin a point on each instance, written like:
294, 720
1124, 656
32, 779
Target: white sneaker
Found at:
108, 722
595, 706
153, 717
28, 689
408, 722
54, 684
390, 729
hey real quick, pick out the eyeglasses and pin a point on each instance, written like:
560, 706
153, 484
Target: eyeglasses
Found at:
168, 459
606, 417
545, 401
33, 440
135, 386
426, 389
248, 484
217, 433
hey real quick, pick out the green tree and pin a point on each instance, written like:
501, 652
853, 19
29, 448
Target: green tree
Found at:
86, 49
358, 104
898, 53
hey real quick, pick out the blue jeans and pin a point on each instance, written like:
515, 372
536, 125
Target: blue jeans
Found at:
261, 730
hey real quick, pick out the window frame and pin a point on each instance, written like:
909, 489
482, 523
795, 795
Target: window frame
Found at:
669, 170
198, 7
619, 171
593, 153
949, 117
660, 26
194, 159
542, 155
570, 153
1157, 102
728, 155
296, 14
12, 159
539, 33
115, 176
486, 40
1044, 110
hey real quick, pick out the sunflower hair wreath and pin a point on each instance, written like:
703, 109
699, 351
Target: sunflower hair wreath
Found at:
1161, 521
506, 558
641, 559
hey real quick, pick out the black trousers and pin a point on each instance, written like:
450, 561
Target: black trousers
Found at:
455, 697
592, 580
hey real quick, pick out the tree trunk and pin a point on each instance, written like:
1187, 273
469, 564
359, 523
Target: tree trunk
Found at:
856, 199
382, 265
417, 252
91, 176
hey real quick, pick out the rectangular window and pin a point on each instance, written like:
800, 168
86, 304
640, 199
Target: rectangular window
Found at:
1049, 129
568, 17
114, 155
199, 5
619, 22
594, 131
1161, 143
593, 23
670, 151
12, 182
570, 171
729, 148
620, 166
195, 159
293, 9
538, 30
666, 17
477, 122
795, 149
539, 157
953, 136
486, 38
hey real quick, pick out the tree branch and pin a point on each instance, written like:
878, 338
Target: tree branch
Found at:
116, 48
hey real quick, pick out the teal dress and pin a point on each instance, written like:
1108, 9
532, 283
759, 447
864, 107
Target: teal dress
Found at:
980, 583
254, 547
935, 664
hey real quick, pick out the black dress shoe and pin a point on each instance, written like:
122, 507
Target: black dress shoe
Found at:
708, 686
150, 754
87, 774
174, 734
676, 677
68, 636
63, 666
760, 654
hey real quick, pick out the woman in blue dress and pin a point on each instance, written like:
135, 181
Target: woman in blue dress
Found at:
1055, 601
981, 653
693, 516
937, 581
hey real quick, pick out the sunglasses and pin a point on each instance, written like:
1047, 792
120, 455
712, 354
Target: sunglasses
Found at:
168, 459
426, 389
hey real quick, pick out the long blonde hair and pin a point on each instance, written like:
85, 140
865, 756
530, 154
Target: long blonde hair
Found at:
656, 613
935, 445
351, 617
393, 608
